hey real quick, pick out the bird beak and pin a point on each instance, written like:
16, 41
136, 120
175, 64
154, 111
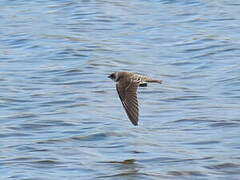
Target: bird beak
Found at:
109, 76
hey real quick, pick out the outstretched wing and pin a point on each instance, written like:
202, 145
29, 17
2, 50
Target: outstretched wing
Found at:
128, 95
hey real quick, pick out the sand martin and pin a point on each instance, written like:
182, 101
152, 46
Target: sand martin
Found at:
126, 85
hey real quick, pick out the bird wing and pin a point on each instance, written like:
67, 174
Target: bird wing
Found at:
128, 95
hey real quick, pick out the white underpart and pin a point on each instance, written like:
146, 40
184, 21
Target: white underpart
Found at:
116, 77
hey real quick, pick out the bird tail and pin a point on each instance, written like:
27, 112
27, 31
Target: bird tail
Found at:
154, 81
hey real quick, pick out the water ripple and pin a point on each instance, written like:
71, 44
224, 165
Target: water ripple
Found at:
61, 117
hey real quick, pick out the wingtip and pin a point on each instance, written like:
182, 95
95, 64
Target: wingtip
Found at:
135, 123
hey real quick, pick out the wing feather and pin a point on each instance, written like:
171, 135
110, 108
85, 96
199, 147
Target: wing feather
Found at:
128, 95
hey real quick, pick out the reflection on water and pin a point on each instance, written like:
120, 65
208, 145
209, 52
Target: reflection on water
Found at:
127, 168
61, 117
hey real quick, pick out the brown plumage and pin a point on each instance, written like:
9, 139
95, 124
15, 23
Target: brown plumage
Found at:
126, 85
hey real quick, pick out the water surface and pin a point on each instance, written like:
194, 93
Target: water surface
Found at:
61, 117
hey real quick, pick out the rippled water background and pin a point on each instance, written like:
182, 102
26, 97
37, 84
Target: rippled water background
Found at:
61, 117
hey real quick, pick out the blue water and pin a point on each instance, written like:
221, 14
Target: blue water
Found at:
61, 117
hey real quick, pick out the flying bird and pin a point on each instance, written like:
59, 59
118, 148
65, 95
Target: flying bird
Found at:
126, 85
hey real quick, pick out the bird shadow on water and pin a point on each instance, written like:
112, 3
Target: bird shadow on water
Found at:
126, 168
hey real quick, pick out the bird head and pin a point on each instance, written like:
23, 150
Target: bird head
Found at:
113, 76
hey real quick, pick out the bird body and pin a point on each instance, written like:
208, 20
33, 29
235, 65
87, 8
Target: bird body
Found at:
126, 85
